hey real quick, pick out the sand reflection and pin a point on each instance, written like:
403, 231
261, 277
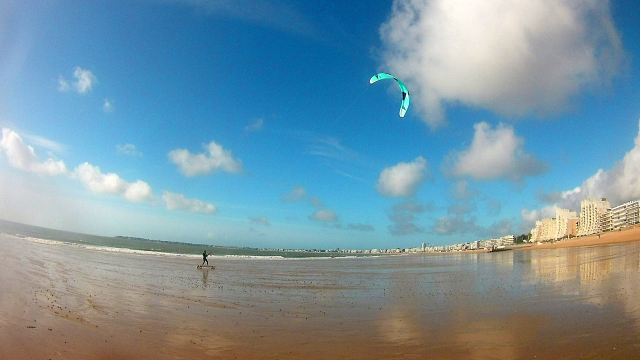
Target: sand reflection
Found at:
604, 276
548, 303
399, 325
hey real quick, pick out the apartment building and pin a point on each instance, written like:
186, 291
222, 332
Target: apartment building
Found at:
623, 215
591, 214
545, 230
566, 223
502, 241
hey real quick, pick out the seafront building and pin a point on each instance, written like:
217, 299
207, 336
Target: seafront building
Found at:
545, 230
565, 224
474, 245
493, 243
596, 216
591, 213
621, 216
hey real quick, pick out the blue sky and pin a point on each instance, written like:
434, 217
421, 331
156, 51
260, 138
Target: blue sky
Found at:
253, 123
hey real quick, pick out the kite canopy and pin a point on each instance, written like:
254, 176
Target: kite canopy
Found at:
404, 105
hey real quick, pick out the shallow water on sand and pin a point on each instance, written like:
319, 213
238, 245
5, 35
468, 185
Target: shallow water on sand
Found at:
568, 303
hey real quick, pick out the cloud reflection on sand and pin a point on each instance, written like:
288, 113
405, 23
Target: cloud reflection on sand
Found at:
553, 303
598, 275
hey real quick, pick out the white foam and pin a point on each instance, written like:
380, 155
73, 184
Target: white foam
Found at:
106, 248
154, 252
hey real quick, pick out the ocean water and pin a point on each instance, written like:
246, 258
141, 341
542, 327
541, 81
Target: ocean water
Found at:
125, 244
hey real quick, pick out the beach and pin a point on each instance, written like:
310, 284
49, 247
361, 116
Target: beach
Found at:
624, 235
64, 301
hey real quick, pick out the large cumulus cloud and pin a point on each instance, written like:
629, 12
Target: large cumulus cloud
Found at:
403, 179
509, 56
23, 156
495, 154
175, 201
216, 158
99, 183
619, 184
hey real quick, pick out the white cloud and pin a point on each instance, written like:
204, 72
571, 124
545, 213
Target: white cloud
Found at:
255, 126
180, 202
138, 191
107, 106
296, 194
85, 80
529, 217
216, 159
23, 157
535, 215
98, 182
128, 149
495, 154
260, 220
324, 216
403, 179
111, 183
619, 184
508, 56
46, 143
83, 84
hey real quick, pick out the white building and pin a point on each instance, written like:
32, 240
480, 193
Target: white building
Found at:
545, 230
566, 223
491, 243
507, 240
621, 216
591, 213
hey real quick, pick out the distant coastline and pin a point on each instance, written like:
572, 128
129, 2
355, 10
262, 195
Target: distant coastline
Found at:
173, 247
629, 234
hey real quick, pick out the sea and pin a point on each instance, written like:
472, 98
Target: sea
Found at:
139, 245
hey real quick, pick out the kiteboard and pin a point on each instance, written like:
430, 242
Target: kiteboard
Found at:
206, 267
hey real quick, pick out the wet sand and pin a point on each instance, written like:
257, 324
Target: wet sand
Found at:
67, 302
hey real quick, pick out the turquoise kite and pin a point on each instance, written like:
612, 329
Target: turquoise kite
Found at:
404, 105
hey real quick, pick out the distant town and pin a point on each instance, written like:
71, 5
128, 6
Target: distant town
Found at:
596, 216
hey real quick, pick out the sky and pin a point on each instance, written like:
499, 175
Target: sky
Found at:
253, 122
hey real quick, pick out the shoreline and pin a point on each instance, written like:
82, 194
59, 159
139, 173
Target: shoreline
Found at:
68, 302
625, 235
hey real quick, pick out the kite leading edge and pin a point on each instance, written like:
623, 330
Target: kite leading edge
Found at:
404, 105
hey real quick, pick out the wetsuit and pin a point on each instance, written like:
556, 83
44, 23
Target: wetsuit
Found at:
204, 258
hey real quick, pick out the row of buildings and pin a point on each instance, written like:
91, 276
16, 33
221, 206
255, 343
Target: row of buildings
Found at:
474, 245
596, 216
